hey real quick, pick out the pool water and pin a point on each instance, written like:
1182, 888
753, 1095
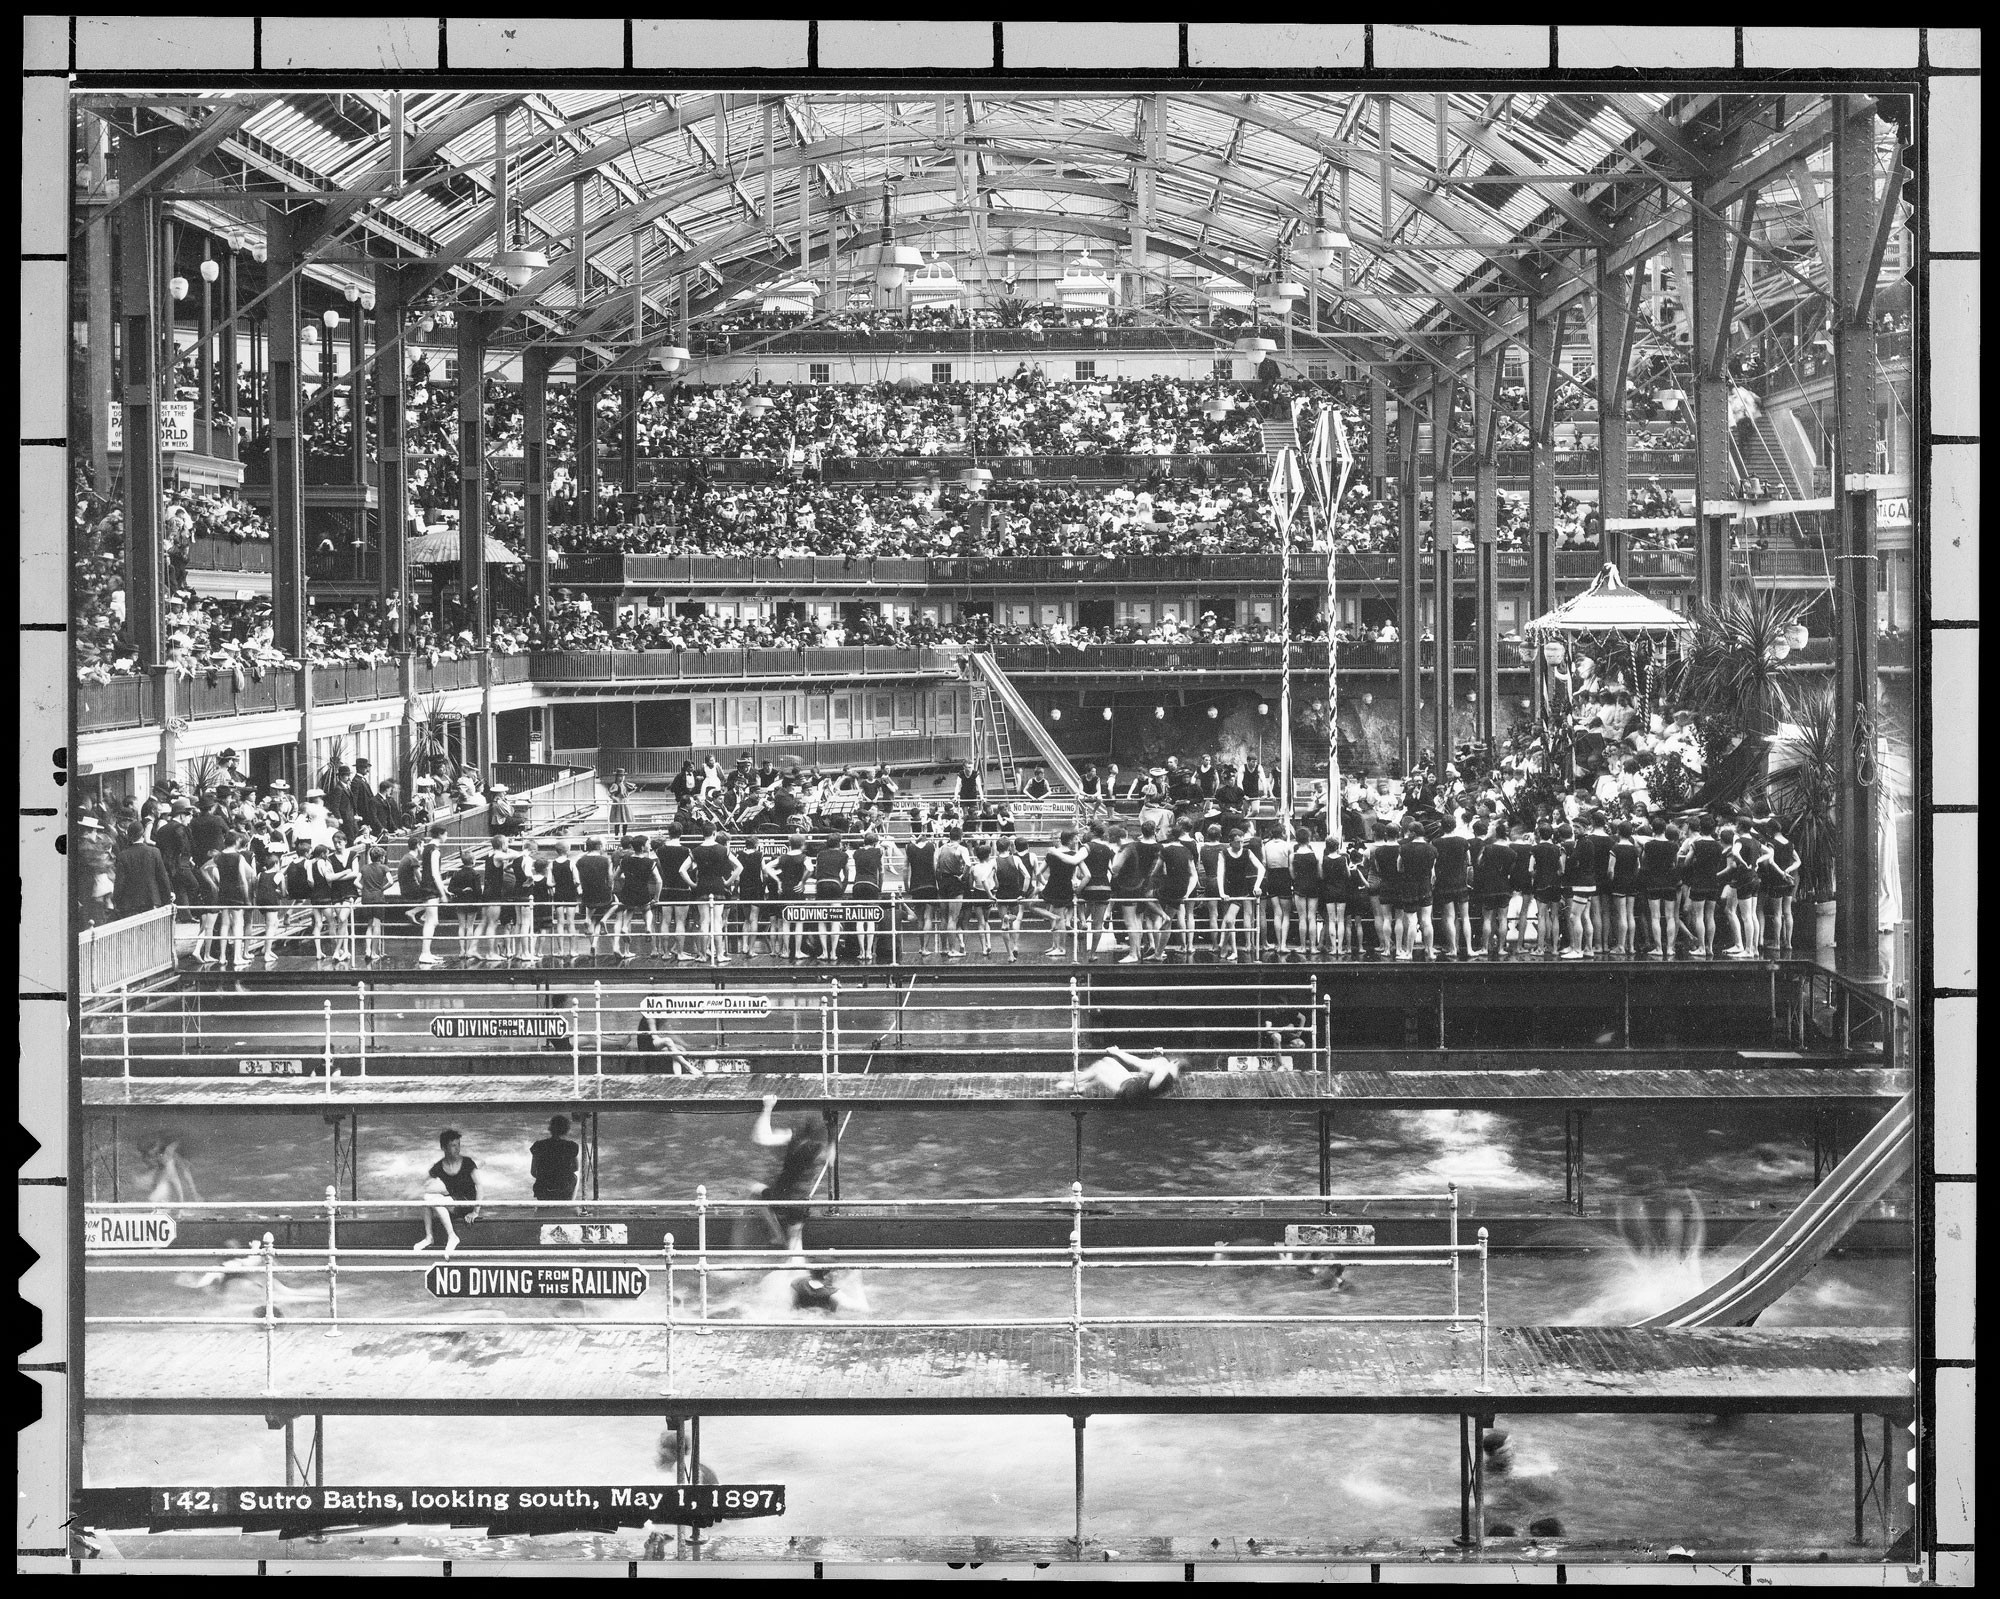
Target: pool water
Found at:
1383, 1482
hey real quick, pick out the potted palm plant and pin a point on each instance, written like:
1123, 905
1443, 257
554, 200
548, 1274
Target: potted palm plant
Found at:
1804, 789
1733, 666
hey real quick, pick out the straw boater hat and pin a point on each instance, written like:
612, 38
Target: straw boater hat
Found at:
279, 785
87, 821
315, 793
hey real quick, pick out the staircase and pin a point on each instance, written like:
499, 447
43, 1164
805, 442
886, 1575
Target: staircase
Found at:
992, 747
1762, 456
1280, 435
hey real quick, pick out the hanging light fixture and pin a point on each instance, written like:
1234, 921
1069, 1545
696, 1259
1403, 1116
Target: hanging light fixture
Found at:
1263, 707
353, 294
427, 324
1255, 349
893, 262
1159, 713
976, 480
1055, 713
519, 265
1553, 653
670, 358
1107, 713
309, 335
1797, 636
210, 271
258, 252
1327, 242
1214, 712
177, 287
331, 318
368, 299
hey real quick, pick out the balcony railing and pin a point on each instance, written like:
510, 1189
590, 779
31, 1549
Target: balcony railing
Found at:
220, 695
122, 702
683, 666
443, 677
229, 555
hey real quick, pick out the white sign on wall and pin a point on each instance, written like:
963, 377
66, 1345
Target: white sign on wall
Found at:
176, 425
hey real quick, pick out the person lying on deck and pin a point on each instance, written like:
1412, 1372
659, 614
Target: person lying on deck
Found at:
1122, 1074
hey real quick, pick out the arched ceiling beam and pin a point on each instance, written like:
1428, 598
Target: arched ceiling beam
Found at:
1366, 161
1642, 237
1508, 154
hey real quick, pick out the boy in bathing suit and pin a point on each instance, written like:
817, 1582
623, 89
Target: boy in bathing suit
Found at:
805, 1157
1121, 1074
450, 1181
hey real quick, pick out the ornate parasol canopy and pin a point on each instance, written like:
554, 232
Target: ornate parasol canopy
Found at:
1609, 605
439, 547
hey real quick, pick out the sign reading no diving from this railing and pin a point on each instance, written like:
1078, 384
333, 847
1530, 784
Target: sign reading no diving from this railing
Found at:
448, 1281
752, 1006
553, 1025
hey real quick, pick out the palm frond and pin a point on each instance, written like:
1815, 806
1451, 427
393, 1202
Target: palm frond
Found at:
1804, 787
1730, 668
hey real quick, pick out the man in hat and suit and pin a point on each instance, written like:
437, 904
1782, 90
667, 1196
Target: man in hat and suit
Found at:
361, 798
340, 799
176, 843
142, 882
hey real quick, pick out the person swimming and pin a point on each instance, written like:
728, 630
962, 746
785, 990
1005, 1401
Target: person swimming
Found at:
1231, 1252
673, 1455
830, 1289
172, 1179
239, 1279
1122, 1074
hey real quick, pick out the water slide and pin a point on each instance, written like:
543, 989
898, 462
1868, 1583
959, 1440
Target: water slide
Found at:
1803, 1238
1062, 776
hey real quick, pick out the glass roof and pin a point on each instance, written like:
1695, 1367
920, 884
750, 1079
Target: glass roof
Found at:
1452, 201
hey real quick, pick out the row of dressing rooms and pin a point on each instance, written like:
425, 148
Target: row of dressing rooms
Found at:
728, 721
1106, 614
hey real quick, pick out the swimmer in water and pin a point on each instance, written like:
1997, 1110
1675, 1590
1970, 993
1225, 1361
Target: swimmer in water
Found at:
1122, 1074
1330, 1275
172, 1177
240, 1277
826, 1288
673, 1454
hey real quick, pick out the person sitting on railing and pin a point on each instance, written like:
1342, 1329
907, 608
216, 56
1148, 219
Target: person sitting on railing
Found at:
453, 1178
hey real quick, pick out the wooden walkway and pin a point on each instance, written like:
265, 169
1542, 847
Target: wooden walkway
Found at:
1771, 1079
501, 1369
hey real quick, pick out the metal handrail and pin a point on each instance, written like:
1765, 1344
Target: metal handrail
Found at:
361, 1035
1075, 1258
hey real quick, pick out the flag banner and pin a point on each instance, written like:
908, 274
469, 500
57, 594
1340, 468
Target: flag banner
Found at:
1321, 457
1287, 490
